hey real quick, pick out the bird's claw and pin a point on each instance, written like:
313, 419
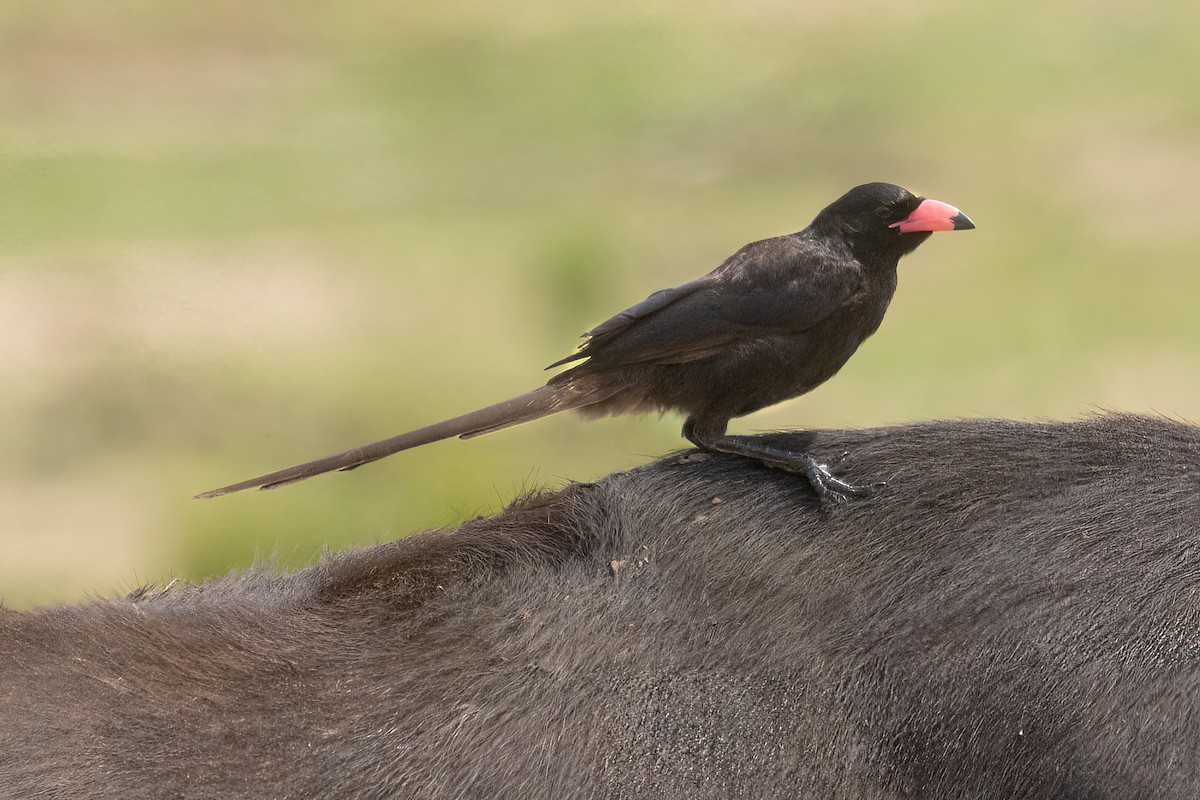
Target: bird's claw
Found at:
830, 488
834, 490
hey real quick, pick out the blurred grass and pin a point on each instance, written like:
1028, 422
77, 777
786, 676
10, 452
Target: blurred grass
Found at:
235, 236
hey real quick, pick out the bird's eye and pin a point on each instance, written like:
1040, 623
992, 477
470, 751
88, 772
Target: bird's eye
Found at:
884, 213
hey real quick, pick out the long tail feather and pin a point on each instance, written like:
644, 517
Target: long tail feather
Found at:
541, 402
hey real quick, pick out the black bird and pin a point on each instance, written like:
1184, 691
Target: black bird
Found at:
774, 321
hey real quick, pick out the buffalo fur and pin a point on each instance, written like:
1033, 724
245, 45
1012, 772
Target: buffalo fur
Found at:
1016, 615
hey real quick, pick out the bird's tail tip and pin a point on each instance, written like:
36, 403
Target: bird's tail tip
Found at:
224, 490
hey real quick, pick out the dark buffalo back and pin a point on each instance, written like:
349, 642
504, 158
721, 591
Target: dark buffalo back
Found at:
1017, 614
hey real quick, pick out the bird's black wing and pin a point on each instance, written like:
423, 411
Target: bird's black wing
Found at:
612, 326
783, 285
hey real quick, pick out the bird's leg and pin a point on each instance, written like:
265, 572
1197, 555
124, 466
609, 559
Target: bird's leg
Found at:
829, 487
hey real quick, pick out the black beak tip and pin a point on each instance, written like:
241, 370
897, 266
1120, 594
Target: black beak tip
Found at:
962, 222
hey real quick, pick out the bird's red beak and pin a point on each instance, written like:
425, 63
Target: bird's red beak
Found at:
934, 215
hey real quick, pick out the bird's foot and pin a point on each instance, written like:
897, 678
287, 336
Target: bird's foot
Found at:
830, 488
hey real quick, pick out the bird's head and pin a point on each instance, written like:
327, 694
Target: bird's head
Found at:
882, 220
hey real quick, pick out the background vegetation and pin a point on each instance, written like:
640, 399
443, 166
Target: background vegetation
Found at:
238, 235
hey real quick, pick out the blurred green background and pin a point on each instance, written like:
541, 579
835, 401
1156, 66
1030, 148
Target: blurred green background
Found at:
234, 236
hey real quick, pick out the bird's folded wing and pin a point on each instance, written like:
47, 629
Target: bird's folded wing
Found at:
768, 287
615, 324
